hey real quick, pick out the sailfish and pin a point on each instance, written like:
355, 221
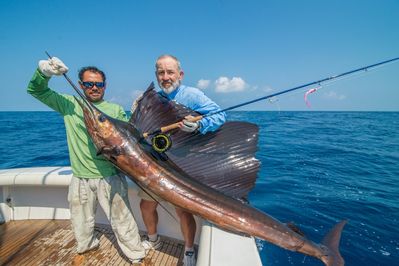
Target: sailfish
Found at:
208, 175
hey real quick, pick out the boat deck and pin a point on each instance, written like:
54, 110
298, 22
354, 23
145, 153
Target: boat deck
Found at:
51, 242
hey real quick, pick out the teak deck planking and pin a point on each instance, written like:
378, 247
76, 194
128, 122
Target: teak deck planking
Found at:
51, 242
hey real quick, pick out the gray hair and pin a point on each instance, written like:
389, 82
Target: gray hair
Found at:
168, 56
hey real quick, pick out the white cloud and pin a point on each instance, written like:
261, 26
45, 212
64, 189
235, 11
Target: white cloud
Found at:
224, 84
334, 95
203, 83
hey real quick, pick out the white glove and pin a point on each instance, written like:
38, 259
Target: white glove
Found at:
52, 66
189, 126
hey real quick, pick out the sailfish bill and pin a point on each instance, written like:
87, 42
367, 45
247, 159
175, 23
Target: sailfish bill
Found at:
207, 175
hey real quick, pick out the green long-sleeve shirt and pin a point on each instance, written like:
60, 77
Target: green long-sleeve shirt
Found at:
82, 152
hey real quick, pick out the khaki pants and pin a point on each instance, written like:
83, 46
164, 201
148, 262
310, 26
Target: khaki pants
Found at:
111, 193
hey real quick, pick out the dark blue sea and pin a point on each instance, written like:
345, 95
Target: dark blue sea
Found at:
317, 168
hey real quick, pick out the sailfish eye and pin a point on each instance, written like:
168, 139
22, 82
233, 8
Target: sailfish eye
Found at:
101, 118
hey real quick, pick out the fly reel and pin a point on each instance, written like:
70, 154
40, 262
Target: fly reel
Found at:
161, 142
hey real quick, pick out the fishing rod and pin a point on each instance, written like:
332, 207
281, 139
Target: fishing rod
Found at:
197, 118
306, 85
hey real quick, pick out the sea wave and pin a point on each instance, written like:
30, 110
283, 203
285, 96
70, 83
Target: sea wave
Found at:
317, 168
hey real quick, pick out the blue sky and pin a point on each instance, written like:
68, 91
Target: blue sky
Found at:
234, 50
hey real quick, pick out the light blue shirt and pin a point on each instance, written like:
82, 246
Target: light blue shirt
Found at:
196, 100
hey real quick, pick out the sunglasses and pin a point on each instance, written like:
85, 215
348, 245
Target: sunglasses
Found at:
89, 84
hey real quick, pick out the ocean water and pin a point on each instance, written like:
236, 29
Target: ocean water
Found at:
317, 169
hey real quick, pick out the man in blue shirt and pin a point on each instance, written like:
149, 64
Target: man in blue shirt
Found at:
169, 76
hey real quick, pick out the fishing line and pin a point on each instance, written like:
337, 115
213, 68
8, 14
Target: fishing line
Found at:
275, 100
156, 200
329, 84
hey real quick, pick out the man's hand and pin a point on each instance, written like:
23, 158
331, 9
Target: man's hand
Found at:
188, 126
52, 66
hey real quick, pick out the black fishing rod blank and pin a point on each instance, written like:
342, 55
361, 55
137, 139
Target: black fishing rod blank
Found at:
306, 85
319, 82
72, 84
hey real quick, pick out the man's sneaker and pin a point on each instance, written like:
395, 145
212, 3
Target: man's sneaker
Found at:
148, 244
138, 262
189, 258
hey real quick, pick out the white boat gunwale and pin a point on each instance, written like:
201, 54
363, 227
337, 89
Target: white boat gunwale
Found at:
41, 193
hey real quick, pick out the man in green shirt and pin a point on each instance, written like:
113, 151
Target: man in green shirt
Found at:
93, 176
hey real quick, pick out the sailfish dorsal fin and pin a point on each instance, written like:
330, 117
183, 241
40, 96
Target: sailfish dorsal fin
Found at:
223, 160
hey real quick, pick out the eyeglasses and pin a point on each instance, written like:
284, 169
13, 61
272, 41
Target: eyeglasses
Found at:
89, 84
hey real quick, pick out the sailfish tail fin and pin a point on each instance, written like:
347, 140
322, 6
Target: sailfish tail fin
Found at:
331, 241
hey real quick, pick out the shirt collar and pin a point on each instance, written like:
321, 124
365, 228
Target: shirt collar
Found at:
98, 103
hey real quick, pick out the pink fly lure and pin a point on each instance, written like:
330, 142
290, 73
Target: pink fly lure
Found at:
307, 93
